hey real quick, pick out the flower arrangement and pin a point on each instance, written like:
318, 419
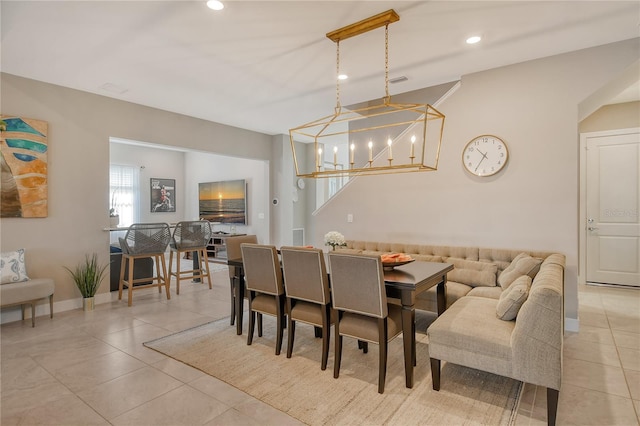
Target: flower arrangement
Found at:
334, 239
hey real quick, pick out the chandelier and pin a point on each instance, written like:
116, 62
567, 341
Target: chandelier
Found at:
375, 137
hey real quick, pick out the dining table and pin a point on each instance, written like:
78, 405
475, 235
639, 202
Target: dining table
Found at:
403, 283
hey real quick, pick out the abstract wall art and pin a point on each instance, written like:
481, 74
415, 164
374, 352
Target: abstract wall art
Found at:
24, 181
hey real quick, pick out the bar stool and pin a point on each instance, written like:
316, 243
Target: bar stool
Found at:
144, 240
190, 236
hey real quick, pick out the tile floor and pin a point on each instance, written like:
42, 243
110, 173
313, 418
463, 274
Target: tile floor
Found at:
86, 368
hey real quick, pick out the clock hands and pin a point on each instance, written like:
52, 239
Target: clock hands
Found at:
484, 155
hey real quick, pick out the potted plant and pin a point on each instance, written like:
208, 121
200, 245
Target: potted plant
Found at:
88, 276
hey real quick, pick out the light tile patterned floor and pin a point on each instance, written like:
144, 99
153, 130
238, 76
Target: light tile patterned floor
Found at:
87, 368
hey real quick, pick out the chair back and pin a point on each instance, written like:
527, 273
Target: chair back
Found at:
191, 235
357, 284
146, 238
305, 274
262, 270
233, 248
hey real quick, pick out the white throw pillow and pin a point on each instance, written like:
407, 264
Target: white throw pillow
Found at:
512, 299
12, 268
522, 264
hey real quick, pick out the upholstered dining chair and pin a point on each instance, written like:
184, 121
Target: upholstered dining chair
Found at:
308, 296
359, 297
144, 240
190, 236
263, 277
233, 252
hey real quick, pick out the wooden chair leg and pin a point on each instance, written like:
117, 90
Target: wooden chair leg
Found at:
552, 406
171, 263
280, 320
178, 276
326, 335
259, 324
131, 262
252, 320
291, 332
435, 373
233, 281
205, 258
123, 263
164, 277
382, 361
338, 351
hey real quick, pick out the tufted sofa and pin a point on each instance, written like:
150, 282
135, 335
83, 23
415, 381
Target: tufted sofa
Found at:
471, 333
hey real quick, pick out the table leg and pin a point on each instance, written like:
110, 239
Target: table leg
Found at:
239, 299
441, 297
408, 338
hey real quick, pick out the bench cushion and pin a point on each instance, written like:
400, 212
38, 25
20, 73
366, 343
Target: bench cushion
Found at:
26, 291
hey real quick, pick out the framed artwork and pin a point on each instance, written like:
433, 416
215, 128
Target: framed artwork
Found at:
163, 195
23, 154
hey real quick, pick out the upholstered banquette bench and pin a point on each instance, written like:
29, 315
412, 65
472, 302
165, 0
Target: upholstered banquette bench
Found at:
16, 288
505, 312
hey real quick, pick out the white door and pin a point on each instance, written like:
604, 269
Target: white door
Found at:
613, 202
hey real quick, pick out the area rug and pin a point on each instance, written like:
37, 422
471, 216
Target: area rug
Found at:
299, 388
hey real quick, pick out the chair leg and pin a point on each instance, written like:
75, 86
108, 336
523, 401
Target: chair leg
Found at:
259, 324
164, 277
280, 319
326, 335
33, 314
233, 281
171, 263
291, 332
338, 351
130, 295
382, 361
51, 306
123, 263
178, 276
435, 373
205, 258
552, 405
252, 320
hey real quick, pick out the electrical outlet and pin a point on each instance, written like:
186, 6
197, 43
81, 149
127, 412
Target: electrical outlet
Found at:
349, 218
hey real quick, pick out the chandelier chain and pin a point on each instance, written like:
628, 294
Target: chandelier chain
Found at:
338, 74
386, 62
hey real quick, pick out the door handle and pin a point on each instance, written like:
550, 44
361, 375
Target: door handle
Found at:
591, 228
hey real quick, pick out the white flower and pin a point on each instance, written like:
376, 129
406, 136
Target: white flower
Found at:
334, 239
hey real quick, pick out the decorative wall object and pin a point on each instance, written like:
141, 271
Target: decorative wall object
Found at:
163, 195
24, 182
223, 202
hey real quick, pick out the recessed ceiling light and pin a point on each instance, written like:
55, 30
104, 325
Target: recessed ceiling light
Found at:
473, 39
215, 5
343, 77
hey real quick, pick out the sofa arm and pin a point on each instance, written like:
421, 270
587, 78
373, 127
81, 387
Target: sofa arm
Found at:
536, 340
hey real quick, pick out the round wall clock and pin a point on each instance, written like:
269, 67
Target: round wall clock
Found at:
485, 155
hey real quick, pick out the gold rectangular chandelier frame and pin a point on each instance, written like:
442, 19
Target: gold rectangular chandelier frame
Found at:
413, 121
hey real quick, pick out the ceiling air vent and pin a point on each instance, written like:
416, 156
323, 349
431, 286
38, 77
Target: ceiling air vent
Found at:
398, 79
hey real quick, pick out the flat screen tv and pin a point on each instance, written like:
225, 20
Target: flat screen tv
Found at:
223, 202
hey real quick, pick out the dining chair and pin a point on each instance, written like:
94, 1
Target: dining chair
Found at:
359, 297
144, 240
190, 236
263, 278
233, 252
308, 296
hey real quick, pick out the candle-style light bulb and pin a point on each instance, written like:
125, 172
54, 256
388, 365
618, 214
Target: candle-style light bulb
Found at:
319, 158
335, 155
389, 142
370, 151
413, 141
353, 148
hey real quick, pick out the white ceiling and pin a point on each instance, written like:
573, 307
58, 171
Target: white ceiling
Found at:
267, 66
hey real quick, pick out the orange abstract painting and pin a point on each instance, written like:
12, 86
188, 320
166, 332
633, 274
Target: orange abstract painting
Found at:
24, 183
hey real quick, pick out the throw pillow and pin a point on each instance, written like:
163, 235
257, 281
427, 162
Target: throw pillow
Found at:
522, 264
512, 299
12, 268
472, 272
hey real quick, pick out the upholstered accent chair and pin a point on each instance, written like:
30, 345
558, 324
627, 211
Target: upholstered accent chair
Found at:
190, 236
359, 298
233, 252
144, 240
263, 277
308, 296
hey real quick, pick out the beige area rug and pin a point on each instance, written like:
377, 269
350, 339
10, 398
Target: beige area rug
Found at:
299, 388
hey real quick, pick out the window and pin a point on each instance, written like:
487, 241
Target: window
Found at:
124, 193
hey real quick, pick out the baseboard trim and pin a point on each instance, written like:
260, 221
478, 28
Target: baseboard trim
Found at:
571, 324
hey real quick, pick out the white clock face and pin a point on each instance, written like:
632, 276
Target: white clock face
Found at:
485, 155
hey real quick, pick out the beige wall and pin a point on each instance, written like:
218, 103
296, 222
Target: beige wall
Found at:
80, 125
531, 204
611, 117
